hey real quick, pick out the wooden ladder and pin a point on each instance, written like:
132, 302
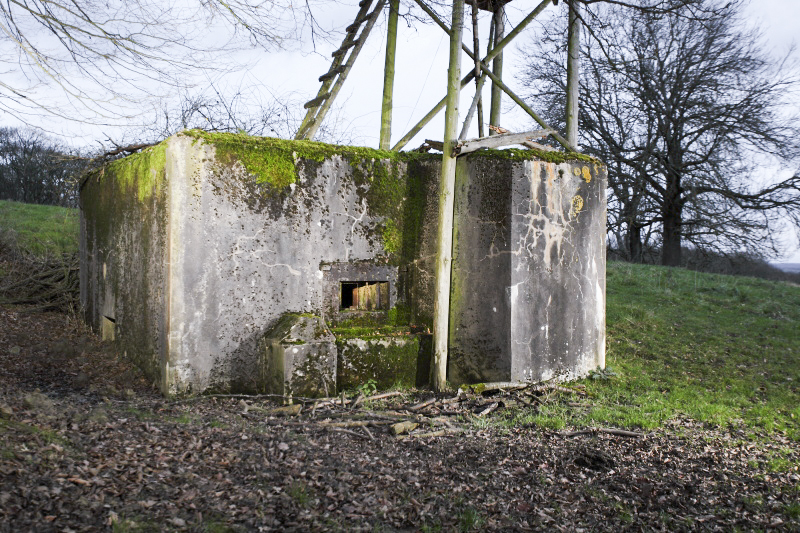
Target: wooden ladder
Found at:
333, 80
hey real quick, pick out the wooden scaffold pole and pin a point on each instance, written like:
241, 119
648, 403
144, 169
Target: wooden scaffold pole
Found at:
573, 72
444, 255
388, 75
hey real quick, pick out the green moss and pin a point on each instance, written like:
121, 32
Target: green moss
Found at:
387, 361
274, 161
366, 332
141, 171
399, 315
478, 388
380, 176
392, 237
518, 154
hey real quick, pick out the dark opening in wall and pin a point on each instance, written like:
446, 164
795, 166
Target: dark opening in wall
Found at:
364, 295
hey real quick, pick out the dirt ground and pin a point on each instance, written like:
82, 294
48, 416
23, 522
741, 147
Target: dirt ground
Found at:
86, 444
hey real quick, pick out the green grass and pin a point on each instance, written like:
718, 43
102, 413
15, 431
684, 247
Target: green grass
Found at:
39, 229
722, 350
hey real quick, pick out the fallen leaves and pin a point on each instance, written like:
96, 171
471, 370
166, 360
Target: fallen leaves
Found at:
76, 458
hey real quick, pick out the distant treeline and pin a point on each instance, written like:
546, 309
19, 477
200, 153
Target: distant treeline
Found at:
36, 169
736, 264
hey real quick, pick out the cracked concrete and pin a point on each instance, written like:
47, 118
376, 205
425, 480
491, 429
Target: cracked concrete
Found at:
529, 271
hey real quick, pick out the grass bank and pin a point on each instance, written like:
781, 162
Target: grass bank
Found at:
39, 229
723, 350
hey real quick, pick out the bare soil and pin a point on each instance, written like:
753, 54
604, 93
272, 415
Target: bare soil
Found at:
86, 444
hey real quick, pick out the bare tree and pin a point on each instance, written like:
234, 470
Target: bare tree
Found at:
106, 58
681, 108
251, 110
37, 169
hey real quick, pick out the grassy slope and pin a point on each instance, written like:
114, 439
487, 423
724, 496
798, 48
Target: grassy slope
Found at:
718, 349
39, 229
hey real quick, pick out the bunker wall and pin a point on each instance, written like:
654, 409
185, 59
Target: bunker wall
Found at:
528, 289
124, 221
245, 250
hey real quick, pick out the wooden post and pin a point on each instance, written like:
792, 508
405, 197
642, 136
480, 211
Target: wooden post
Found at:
475, 103
573, 71
497, 68
444, 254
478, 79
496, 49
388, 75
313, 126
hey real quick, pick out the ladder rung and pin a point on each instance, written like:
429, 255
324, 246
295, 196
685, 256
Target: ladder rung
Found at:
347, 45
332, 74
352, 28
316, 101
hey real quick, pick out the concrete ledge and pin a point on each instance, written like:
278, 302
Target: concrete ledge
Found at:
388, 360
298, 358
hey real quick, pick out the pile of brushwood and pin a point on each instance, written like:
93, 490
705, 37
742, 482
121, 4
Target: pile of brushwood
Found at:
49, 283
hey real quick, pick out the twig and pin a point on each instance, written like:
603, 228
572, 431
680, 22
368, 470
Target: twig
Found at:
608, 431
342, 430
357, 423
491, 407
384, 395
357, 401
422, 405
440, 433
367, 431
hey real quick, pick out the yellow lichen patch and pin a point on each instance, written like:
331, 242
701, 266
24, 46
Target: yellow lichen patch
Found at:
587, 176
577, 204
576, 171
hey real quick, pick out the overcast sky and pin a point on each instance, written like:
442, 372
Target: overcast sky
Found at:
420, 72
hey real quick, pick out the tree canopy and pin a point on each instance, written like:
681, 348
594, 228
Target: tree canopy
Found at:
684, 109
98, 61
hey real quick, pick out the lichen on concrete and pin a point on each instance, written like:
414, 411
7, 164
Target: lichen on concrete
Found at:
391, 361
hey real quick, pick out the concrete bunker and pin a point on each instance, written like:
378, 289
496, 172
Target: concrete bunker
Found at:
223, 262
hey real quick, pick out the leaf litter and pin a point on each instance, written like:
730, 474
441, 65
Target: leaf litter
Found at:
86, 444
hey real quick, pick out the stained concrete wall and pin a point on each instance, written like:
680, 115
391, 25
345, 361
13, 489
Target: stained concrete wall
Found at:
528, 297
238, 231
124, 256
242, 254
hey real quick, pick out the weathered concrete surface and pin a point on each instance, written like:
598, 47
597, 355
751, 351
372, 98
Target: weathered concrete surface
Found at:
243, 254
124, 257
236, 252
388, 360
191, 258
528, 300
298, 358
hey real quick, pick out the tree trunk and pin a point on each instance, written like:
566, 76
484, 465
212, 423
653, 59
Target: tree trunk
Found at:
634, 243
672, 213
